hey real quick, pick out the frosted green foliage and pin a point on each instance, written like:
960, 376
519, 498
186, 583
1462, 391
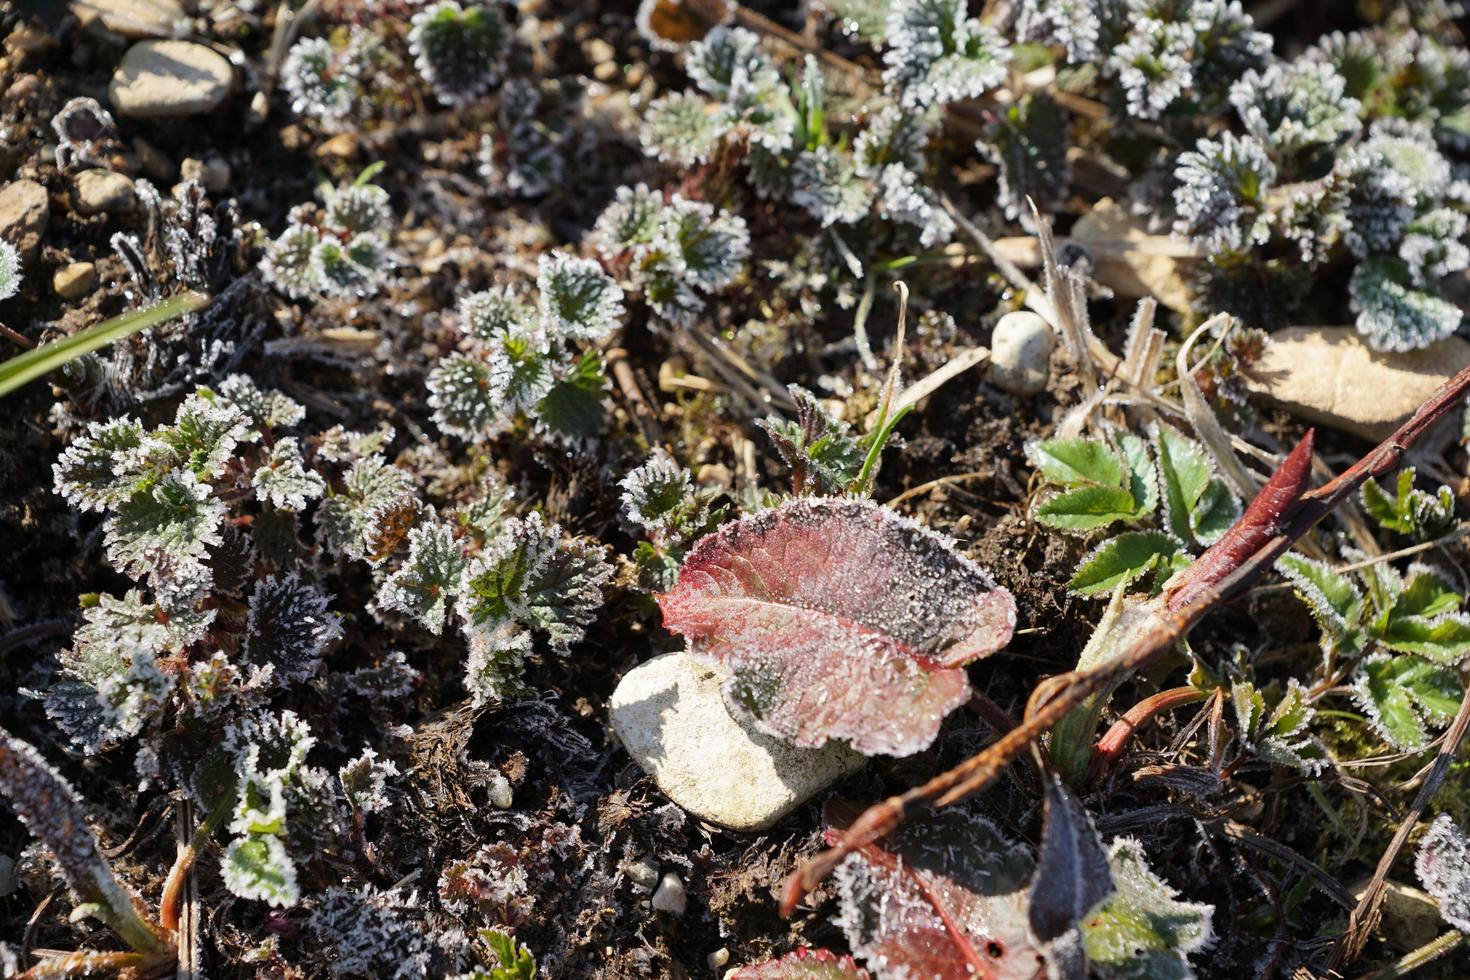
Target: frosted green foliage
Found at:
325, 81
1198, 506
513, 960
288, 626
364, 781
661, 502
1029, 145
530, 576
429, 578
1409, 510
103, 468
496, 663
1280, 735
1170, 55
1405, 697
1219, 193
257, 867
675, 251
264, 409
824, 457
1125, 558
172, 519
865, 20
1099, 484
1405, 74
1313, 214
1443, 866
1433, 245
10, 274
938, 54
1334, 601
1073, 24
491, 313
203, 437
751, 100
681, 128
825, 182
462, 394
1393, 313
1292, 106
372, 933
903, 198
523, 154
1144, 931
52, 811
893, 135
269, 752
577, 300
1381, 201
282, 479
342, 250
459, 50
376, 497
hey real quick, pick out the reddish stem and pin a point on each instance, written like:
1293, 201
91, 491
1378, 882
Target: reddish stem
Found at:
1115, 739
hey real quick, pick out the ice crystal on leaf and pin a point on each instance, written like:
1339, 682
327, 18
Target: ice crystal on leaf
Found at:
1295, 105
282, 479
459, 50
524, 153
1393, 314
1221, 184
430, 577
288, 626
340, 250
373, 933
1144, 930
938, 54
364, 781
1443, 866
821, 452
326, 81
806, 963
839, 619
361, 520
1279, 737
1417, 513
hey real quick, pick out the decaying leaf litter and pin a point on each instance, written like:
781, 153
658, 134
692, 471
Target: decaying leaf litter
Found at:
544, 342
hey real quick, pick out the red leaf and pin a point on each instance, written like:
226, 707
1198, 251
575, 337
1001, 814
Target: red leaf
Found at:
944, 896
804, 964
839, 619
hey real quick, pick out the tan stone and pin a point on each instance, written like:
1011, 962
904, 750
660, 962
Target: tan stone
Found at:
75, 280
132, 18
1410, 916
103, 192
170, 78
1130, 260
670, 715
24, 210
1329, 375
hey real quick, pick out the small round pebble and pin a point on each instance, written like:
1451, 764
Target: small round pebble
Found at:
75, 280
103, 192
1020, 353
643, 873
501, 795
670, 895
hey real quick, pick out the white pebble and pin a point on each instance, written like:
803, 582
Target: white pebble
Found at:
1020, 353
718, 958
501, 796
670, 896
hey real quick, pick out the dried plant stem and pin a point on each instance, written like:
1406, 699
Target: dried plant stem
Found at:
1364, 919
1421, 957
1111, 745
1280, 514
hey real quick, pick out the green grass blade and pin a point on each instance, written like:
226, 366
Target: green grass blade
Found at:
27, 367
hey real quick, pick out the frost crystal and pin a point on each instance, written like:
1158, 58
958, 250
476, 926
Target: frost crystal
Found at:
10, 276
364, 781
429, 578
1219, 194
324, 81
288, 626
938, 54
282, 479
1293, 106
578, 301
1443, 865
343, 251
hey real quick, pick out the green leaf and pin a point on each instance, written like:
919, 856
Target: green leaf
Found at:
1401, 694
1427, 593
1143, 478
256, 866
1333, 599
1445, 640
1078, 461
25, 368
1417, 513
1143, 930
1120, 560
1216, 510
573, 408
1197, 504
1086, 508
516, 961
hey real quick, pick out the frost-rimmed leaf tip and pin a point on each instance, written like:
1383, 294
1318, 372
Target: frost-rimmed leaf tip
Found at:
839, 619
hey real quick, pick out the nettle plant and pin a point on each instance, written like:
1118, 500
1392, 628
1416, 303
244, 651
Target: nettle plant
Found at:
330, 79
340, 249
231, 527
459, 50
1167, 479
537, 364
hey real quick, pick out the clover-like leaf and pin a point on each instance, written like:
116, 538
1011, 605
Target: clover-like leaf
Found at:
1122, 559
257, 866
1443, 865
807, 963
1144, 930
839, 619
1402, 695
1421, 615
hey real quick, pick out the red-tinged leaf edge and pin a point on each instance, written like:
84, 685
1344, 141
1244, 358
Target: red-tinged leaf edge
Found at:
839, 619
1265, 518
807, 963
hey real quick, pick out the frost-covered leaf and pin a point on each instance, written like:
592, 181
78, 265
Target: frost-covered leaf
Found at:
573, 407
1086, 508
377, 501
807, 963
681, 128
577, 299
821, 452
282, 479
204, 435
459, 50
257, 867
1443, 865
1078, 462
10, 273
531, 577
1029, 142
514, 960
176, 519
1333, 599
372, 933
943, 896
1072, 875
50, 809
1410, 511
496, 662
1197, 504
1421, 614
1122, 559
1394, 312
103, 468
1403, 696
839, 619
364, 781
938, 54
1219, 197
264, 409
429, 578
288, 626
1144, 931
1279, 736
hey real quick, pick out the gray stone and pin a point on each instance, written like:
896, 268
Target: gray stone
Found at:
643, 873
170, 78
1329, 375
671, 717
670, 896
1020, 353
24, 210
103, 192
75, 280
